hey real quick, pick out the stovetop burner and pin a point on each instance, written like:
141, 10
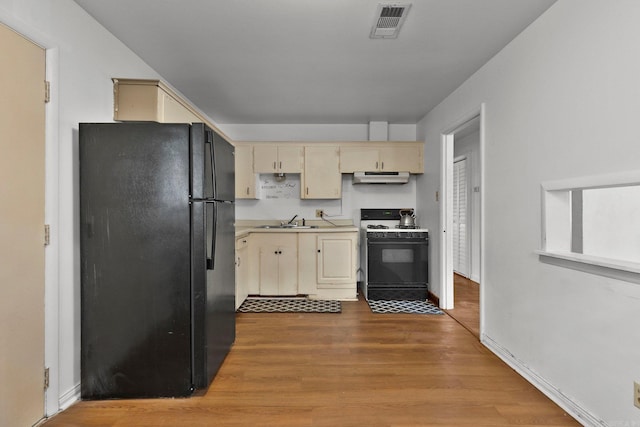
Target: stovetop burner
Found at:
385, 221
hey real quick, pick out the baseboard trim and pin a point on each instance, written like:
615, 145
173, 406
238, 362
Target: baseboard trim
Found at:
433, 298
571, 407
70, 397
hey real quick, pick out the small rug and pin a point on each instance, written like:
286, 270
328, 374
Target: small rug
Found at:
289, 305
403, 306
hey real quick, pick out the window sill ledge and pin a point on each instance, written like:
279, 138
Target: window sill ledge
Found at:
616, 269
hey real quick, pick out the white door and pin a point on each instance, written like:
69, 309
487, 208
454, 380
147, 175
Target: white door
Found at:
22, 167
460, 229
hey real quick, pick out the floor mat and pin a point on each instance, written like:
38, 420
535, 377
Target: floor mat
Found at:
403, 306
289, 305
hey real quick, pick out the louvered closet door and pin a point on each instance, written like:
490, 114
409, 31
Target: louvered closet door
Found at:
460, 235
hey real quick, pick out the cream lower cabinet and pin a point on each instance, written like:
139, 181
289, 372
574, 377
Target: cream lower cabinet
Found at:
275, 268
242, 270
327, 265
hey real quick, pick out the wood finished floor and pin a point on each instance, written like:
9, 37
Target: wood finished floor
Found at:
355, 368
466, 304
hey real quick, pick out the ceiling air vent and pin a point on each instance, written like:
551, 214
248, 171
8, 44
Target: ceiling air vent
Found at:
389, 19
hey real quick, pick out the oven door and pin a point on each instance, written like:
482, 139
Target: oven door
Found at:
397, 261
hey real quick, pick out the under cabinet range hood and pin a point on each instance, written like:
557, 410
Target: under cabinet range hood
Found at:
380, 177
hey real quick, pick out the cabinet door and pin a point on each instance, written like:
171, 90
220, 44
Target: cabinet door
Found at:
307, 261
171, 111
288, 265
321, 177
136, 102
358, 159
337, 258
268, 265
401, 159
265, 158
289, 159
245, 177
242, 270
277, 263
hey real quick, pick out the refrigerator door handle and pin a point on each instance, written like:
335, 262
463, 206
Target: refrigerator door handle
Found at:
211, 261
209, 143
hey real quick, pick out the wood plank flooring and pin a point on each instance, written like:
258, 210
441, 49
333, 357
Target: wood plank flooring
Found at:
355, 368
466, 304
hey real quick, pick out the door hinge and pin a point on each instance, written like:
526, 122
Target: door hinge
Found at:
47, 234
47, 91
46, 378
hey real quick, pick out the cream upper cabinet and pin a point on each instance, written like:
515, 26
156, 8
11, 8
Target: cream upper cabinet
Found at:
271, 158
245, 177
277, 263
382, 157
149, 100
359, 159
172, 111
402, 159
321, 178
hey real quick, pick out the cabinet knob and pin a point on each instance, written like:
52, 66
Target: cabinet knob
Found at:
318, 250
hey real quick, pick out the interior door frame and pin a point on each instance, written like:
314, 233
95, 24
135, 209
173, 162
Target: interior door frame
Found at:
446, 208
51, 209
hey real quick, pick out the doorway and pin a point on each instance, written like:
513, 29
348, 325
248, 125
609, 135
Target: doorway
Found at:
22, 209
461, 245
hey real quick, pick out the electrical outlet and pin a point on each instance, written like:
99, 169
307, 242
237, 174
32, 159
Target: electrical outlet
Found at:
319, 213
636, 394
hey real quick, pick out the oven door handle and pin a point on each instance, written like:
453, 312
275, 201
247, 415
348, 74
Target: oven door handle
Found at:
400, 242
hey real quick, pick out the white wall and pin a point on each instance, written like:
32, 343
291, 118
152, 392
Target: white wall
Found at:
354, 197
561, 101
469, 146
86, 58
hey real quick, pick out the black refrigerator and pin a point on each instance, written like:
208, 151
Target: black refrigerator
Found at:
157, 258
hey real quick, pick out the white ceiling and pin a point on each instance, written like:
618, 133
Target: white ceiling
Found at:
312, 61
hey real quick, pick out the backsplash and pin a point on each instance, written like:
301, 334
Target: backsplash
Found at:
280, 203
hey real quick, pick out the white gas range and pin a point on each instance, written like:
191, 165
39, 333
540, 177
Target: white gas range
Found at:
394, 258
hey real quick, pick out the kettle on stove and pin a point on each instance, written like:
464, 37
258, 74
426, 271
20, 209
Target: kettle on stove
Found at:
407, 218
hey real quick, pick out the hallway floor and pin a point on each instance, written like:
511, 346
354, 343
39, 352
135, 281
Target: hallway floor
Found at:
466, 304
